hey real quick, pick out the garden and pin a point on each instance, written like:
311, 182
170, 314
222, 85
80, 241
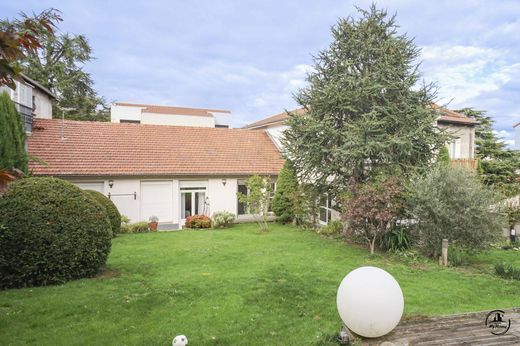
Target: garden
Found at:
234, 286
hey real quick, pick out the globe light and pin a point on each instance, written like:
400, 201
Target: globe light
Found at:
370, 302
180, 340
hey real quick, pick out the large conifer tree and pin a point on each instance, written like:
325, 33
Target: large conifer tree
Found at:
366, 112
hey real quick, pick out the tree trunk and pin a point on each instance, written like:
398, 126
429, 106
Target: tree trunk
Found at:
372, 245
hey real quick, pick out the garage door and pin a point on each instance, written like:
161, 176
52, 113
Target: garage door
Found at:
96, 186
157, 199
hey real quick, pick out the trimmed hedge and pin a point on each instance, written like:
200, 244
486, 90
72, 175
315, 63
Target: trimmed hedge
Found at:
113, 214
51, 232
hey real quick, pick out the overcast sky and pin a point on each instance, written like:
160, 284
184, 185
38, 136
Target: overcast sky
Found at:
251, 56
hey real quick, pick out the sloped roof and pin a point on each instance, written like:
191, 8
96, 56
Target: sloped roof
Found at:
174, 110
120, 149
273, 119
37, 85
517, 124
447, 116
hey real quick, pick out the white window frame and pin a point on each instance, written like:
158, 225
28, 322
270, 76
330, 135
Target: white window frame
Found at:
327, 208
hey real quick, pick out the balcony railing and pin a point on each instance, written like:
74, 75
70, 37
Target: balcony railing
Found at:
468, 163
26, 115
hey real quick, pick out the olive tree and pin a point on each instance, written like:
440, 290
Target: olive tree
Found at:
451, 203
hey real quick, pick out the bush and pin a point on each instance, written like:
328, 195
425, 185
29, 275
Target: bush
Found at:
222, 219
507, 271
113, 214
397, 239
333, 227
136, 227
198, 221
283, 200
451, 203
52, 232
456, 257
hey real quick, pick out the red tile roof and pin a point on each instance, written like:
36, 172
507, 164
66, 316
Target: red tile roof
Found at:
447, 116
174, 110
114, 149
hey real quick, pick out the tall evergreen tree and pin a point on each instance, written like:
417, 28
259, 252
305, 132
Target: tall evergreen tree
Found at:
12, 136
498, 166
283, 200
57, 62
366, 112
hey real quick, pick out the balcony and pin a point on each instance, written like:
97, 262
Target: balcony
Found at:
468, 163
26, 115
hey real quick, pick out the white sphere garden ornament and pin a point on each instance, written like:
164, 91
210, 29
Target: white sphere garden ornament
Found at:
370, 302
180, 340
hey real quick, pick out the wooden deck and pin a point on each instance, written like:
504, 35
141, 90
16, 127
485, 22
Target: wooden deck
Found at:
464, 329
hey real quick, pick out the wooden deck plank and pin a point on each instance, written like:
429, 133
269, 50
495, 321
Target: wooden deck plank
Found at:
460, 329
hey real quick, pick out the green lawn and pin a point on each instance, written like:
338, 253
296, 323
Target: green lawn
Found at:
230, 287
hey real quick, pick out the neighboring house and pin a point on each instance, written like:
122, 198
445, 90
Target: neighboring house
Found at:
122, 112
461, 149
517, 136
168, 171
32, 100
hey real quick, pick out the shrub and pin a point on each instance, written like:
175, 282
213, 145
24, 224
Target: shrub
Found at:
456, 257
198, 221
52, 232
397, 239
283, 200
222, 219
306, 206
136, 227
371, 208
258, 199
113, 214
451, 203
333, 227
12, 136
507, 271
444, 157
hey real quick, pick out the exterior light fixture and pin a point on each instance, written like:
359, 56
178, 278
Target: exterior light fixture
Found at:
111, 183
224, 181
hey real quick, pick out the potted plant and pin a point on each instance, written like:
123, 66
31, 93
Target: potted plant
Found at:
154, 221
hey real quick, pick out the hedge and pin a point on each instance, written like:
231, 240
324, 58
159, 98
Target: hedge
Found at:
113, 214
50, 232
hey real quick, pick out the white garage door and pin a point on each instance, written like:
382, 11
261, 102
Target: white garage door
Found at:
96, 186
157, 199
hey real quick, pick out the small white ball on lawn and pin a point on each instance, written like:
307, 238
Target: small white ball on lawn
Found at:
180, 340
370, 302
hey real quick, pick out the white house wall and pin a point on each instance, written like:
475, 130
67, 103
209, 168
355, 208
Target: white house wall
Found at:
43, 104
467, 139
118, 112
177, 120
221, 197
276, 133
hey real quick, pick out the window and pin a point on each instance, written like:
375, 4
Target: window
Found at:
130, 121
455, 148
242, 188
325, 208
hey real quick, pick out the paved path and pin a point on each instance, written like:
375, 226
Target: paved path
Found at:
464, 329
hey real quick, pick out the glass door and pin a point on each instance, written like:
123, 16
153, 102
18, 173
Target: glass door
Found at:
193, 203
